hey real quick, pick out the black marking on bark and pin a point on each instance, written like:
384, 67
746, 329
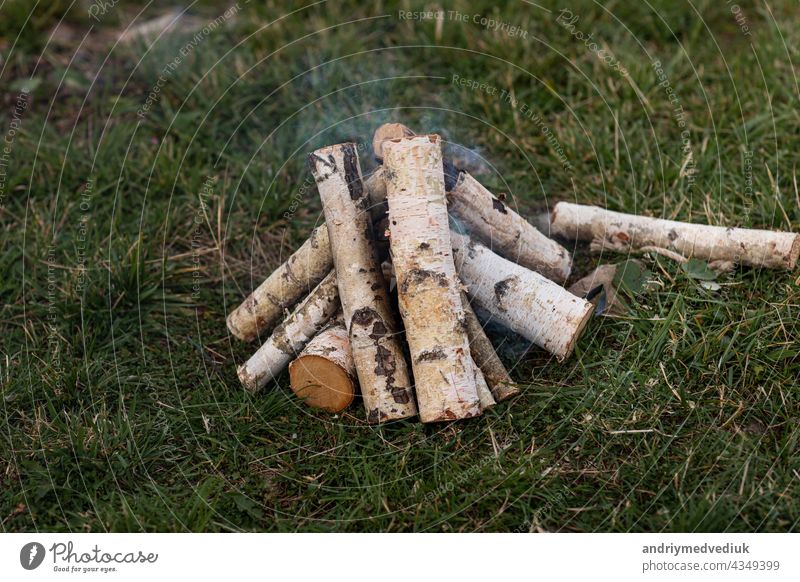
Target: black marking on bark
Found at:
424, 246
276, 301
400, 395
417, 276
378, 330
672, 235
281, 341
431, 355
389, 175
501, 288
351, 174
471, 249
364, 316
330, 163
288, 274
385, 364
315, 238
376, 286
462, 324
250, 304
499, 206
373, 416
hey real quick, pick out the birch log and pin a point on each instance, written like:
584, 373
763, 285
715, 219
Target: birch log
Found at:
484, 355
623, 232
324, 375
291, 336
428, 289
491, 221
289, 283
524, 301
380, 364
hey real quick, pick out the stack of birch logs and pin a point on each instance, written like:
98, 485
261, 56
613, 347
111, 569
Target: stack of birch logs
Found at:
331, 309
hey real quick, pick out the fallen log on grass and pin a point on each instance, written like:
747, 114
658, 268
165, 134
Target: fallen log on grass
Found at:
428, 289
324, 374
380, 365
291, 336
524, 301
625, 232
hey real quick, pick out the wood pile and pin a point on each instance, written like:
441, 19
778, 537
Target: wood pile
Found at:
401, 330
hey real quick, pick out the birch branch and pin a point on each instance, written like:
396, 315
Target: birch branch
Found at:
290, 337
485, 356
289, 283
524, 301
619, 231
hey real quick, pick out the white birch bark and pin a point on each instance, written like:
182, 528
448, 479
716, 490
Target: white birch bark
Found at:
380, 364
428, 290
524, 301
266, 306
623, 232
291, 336
496, 225
324, 374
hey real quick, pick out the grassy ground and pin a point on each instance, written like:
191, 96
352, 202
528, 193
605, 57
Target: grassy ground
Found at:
126, 238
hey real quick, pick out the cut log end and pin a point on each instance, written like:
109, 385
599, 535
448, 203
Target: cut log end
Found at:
321, 383
251, 382
583, 321
504, 390
794, 254
385, 132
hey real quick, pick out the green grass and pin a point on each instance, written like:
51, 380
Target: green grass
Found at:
120, 404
